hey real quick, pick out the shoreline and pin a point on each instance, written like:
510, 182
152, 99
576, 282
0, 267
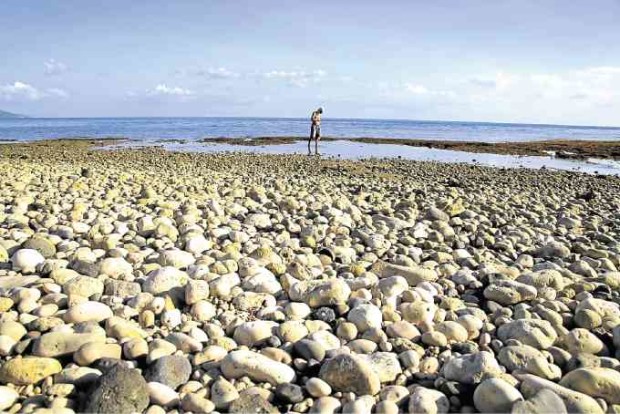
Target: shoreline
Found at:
580, 150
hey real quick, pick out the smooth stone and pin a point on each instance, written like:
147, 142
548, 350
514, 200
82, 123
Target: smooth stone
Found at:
323, 293
425, 400
254, 333
78, 376
289, 393
544, 401
195, 403
575, 402
196, 291
471, 368
223, 393
26, 260
318, 388
516, 357
120, 390
325, 405
93, 351
580, 340
84, 286
309, 349
115, 267
365, 317
350, 373
8, 397
164, 279
596, 382
509, 292
537, 333
28, 370
162, 395
495, 395
251, 403
170, 370
13, 330
385, 364
88, 311
258, 367
56, 344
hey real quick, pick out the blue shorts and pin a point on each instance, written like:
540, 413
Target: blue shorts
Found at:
315, 132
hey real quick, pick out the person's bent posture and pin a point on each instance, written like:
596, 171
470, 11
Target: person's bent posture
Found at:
315, 130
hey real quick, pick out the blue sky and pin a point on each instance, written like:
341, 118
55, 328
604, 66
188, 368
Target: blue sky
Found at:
508, 61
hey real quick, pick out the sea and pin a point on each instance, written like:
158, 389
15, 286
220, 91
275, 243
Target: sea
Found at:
149, 129
185, 134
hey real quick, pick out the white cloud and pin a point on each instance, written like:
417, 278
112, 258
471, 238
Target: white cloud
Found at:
61, 93
21, 91
599, 85
217, 73
418, 89
54, 67
164, 90
296, 78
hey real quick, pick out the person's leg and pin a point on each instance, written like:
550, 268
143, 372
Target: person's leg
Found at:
317, 139
310, 139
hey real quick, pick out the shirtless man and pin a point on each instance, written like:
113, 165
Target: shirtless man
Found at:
315, 130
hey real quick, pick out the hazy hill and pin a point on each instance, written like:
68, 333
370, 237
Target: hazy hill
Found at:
4, 114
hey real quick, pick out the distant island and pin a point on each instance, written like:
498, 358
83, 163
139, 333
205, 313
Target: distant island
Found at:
4, 114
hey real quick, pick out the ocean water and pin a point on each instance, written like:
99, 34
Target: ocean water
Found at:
193, 129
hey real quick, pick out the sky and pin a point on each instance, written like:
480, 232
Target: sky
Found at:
531, 61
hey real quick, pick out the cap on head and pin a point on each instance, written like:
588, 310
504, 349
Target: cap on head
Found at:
320, 110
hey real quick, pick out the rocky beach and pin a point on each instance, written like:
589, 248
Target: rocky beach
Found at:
141, 280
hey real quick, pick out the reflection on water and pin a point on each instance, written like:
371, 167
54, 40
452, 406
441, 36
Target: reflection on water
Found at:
356, 150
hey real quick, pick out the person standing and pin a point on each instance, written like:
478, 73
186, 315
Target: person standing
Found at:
315, 130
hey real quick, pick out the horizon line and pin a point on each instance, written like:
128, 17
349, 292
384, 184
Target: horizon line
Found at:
26, 117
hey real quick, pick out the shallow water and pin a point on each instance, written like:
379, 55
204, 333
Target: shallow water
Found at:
356, 150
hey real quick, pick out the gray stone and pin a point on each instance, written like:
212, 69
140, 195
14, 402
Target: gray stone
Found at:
120, 390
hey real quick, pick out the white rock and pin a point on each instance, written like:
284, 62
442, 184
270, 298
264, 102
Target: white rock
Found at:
196, 290
88, 311
8, 397
26, 260
163, 395
365, 317
6, 345
163, 279
198, 245
256, 366
203, 311
253, 333
495, 395
115, 267
428, 401
176, 258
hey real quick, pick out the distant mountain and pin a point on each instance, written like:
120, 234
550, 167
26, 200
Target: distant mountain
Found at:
4, 114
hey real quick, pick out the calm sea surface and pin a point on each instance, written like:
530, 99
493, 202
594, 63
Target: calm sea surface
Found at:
153, 129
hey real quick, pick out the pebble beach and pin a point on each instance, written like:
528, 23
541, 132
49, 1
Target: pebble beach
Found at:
141, 280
